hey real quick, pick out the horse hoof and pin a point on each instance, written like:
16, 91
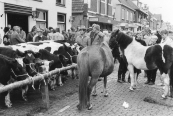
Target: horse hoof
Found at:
78, 107
164, 97
106, 95
9, 105
94, 94
90, 107
60, 84
131, 89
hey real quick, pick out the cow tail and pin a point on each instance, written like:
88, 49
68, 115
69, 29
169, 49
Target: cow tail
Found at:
83, 69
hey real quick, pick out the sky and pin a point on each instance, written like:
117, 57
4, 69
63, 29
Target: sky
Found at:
164, 7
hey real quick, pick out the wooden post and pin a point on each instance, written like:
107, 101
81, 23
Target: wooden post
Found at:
45, 94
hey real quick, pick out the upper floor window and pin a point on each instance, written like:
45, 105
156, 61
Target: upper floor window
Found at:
131, 16
98, 6
127, 15
41, 21
122, 14
109, 1
60, 2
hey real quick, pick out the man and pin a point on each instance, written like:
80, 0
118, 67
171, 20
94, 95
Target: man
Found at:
15, 38
10, 30
98, 36
164, 34
22, 34
31, 34
83, 39
40, 36
57, 35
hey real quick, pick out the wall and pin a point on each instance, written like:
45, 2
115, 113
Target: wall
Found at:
76, 22
49, 5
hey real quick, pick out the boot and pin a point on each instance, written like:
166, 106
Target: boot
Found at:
119, 79
123, 78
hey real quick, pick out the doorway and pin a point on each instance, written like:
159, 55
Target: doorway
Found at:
18, 20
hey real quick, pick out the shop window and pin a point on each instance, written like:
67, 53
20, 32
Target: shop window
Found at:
41, 21
61, 21
60, 2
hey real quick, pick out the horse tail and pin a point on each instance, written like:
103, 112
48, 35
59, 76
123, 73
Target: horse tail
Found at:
83, 68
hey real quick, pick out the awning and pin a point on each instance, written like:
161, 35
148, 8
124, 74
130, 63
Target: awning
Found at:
12, 8
132, 25
102, 20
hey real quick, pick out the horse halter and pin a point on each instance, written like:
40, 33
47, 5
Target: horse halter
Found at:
70, 57
31, 67
19, 75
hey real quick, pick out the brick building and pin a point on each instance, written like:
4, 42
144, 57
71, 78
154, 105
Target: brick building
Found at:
88, 12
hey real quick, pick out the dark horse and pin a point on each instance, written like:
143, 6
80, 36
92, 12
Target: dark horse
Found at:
146, 57
11, 67
95, 61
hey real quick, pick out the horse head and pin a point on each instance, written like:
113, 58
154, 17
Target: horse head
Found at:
113, 39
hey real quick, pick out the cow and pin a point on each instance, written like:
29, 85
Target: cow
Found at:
11, 68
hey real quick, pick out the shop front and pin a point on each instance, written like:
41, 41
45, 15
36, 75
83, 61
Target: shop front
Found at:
17, 15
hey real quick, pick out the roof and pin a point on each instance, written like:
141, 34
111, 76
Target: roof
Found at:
77, 5
132, 5
126, 3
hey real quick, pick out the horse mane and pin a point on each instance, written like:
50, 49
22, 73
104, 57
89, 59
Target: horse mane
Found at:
124, 40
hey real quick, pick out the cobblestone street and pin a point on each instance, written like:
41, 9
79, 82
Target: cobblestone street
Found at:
112, 105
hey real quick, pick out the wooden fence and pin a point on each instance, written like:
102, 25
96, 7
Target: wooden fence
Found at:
44, 89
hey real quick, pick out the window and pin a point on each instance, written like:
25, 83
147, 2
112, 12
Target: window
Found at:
122, 14
41, 21
98, 6
131, 16
127, 15
106, 8
60, 2
109, 1
61, 21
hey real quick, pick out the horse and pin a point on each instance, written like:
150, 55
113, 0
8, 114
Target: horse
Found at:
145, 57
95, 61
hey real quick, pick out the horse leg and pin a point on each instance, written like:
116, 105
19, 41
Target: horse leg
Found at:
94, 93
104, 89
93, 82
24, 92
7, 100
166, 86
60, 80
131, 70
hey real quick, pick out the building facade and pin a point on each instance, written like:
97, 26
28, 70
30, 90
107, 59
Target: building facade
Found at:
88, 12
43, 13
124, 14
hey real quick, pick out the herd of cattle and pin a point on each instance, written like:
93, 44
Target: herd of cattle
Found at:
27, 60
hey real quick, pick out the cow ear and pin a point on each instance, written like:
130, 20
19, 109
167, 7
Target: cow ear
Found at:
19, 53
51, 62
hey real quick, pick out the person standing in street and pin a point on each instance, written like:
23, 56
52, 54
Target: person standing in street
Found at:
57, 35
31, 34
83, 40
98, 36
22, 34
40, 36
15, 38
